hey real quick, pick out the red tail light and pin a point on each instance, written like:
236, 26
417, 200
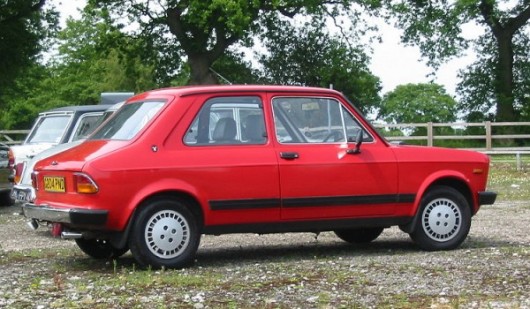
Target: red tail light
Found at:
10, 158
34, 182
19, 169
84, 184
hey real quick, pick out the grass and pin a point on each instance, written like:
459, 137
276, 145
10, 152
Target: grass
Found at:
510, 184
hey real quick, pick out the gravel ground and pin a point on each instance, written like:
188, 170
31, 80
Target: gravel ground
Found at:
490, 270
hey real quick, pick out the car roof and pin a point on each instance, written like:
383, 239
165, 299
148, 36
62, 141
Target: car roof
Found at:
79, 108
192, 90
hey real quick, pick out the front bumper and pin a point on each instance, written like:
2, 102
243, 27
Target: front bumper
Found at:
71, 216
486, 198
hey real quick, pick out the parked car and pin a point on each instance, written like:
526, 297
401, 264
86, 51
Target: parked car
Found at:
180, 162
53, 127
23, 191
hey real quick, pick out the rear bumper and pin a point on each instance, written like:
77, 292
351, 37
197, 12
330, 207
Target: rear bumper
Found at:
71, 216
486, 198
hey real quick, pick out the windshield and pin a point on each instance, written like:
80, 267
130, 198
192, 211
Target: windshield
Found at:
128, 121
49, 129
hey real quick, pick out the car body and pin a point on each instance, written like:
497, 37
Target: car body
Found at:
180, 162
23, 190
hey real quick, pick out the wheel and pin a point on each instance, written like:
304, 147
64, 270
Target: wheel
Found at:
5, 199
359, 236
165, 234
100, 249
445, 219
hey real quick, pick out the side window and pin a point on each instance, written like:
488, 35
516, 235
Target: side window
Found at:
86, 125
228, 121
314, 120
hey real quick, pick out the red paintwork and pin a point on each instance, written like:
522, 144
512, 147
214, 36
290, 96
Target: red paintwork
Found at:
128, 172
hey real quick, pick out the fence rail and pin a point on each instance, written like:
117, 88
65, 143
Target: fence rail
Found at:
488, 136
7, 136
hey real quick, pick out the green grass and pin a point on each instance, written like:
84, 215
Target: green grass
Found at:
509, 183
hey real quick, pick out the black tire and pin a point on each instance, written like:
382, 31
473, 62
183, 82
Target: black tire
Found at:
100, 249
165, 234
444, 219
359, 236
5, 199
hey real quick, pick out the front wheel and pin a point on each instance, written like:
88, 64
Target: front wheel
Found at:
359, 236
445, 220
165, 234
100, 248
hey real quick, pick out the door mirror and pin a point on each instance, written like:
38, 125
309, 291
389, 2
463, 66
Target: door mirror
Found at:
358, 143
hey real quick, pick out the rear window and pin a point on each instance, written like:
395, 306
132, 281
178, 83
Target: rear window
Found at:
128, 121
49, 129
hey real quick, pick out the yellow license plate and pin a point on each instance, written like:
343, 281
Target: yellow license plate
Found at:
54, 184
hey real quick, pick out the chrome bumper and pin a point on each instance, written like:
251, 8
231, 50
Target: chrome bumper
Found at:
72, 216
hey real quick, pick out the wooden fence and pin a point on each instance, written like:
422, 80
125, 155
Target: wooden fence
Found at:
488, 137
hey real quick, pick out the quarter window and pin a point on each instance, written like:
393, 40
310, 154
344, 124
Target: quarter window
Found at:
228, 120
315, 120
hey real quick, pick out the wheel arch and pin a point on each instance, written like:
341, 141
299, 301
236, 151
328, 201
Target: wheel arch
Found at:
119, 240
452, 180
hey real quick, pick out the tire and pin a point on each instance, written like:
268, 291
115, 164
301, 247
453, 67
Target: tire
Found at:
444, 220
165, 234
5, 199
100, 249
359, 236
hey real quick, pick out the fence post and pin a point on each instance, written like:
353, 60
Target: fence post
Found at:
488, 135
430, 138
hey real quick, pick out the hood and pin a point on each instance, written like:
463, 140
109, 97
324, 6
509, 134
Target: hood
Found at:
406, 153
76, 157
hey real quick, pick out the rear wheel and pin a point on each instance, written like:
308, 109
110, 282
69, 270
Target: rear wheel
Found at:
359, 236
100, 249
165, 234
445, 219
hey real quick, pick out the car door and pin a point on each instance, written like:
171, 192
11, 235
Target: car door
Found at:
232, 162
321, 175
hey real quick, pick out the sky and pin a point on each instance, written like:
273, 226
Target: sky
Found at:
394, 63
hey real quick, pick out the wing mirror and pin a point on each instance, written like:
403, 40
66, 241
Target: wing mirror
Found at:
358, 143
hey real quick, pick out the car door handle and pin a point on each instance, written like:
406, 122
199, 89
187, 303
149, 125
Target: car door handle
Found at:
289, 155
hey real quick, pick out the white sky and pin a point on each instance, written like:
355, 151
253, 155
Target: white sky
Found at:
392, 62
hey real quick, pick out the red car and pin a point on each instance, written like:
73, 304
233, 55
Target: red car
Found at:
173, 164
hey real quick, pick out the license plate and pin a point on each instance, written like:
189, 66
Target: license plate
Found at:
54, 184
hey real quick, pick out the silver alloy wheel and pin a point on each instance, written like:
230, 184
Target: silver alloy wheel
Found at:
167, 234
441, 219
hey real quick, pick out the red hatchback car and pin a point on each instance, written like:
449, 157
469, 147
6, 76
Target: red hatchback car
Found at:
173, 164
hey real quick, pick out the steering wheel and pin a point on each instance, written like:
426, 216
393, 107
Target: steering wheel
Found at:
337, 135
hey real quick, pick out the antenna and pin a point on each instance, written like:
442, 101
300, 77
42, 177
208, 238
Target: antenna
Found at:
220, 76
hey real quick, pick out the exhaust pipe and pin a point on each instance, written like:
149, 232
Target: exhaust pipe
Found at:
33, 224
71, 235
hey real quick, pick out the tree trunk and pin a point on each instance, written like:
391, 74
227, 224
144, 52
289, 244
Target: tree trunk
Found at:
200, 71
504, 79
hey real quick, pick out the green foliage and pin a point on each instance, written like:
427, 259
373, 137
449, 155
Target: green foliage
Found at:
418, 103
499, 80
309, 56
24, 26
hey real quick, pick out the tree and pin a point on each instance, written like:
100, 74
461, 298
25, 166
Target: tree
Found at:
23, 27
205, 29
418, 103
436, 26
93, 57
307, 55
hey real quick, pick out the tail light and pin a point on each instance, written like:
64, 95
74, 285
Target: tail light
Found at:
84, 184
19, 170
10, 158
34, 182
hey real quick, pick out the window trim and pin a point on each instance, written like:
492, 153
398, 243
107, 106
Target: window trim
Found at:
343, 106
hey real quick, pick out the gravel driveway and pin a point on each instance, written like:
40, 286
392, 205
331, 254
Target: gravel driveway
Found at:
490, 270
